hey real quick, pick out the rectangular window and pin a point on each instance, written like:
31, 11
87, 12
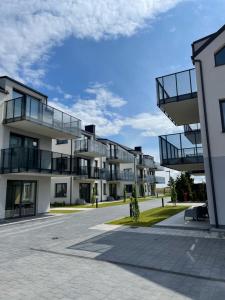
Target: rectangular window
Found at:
61, 142
222, 113
60, 190
129, 188
104, 189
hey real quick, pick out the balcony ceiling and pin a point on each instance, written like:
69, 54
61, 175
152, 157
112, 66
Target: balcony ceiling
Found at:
40, 129
187, 167
182, 112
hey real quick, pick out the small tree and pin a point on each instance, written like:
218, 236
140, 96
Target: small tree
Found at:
93, 196
124, 194
135, 205
173, 192
184, 187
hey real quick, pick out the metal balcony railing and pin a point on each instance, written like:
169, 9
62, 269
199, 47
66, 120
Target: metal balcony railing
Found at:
91, 146
176, 87
120, 154
21, 159
29, 108
178, 149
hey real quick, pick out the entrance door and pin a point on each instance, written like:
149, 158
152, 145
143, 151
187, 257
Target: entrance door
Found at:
20, 198
85, 192
113, 190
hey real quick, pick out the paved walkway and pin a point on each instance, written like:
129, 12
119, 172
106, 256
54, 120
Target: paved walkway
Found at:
79, 257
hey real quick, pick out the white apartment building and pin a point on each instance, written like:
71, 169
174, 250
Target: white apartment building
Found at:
106, 166
27, 126
39, 142
195, 98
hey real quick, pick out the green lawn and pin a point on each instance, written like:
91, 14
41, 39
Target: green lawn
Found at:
114, 203
151, 216
62, 211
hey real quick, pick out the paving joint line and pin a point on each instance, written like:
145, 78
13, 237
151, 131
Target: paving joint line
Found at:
184, 274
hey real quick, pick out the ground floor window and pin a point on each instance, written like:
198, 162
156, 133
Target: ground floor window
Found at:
60, 190
20, 198
129, 188
104, 189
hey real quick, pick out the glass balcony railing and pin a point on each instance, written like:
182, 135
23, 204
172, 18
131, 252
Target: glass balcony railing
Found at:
120, 155
21, 159
29, 108
159, 180
146, 162
90, 146
120, 176
178, 149
89, 172
176, 87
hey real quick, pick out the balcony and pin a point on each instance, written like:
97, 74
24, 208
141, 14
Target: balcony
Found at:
151, 179
88, 173
145, 162
23, 160
193, 133
31, 115
120, 176
160, 180
158, 167
90, 148
179, 153
119, 156
177, 97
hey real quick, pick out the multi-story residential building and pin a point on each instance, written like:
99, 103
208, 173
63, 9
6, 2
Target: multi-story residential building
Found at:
39, 142
195, 98
28, 125
106, 166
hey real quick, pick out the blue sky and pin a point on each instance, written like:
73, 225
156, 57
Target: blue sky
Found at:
99, 61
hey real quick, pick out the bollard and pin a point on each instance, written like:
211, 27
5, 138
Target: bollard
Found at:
162, 202
131, 210
96, 202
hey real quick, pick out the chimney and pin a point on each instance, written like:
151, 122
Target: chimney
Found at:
90, 128
138, 149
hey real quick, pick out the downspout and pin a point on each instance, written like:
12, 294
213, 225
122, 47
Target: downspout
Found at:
71, 177
208, 143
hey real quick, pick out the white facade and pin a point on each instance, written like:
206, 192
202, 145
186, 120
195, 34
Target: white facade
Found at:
205, 102
118, 173
26, 144
214, 90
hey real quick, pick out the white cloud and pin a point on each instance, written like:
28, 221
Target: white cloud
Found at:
151, 124
30, 29
102, 108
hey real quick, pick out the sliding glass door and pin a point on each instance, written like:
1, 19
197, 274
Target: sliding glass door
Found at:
20, 198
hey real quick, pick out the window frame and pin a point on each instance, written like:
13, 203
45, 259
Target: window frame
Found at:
61, 195
218, 65
104, 189
61, 142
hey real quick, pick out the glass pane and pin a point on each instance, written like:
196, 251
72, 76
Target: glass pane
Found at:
18, 107
183, 83
220, 57
9, 114
57, 119
48, 115
28, 198
34, 108
169, 84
